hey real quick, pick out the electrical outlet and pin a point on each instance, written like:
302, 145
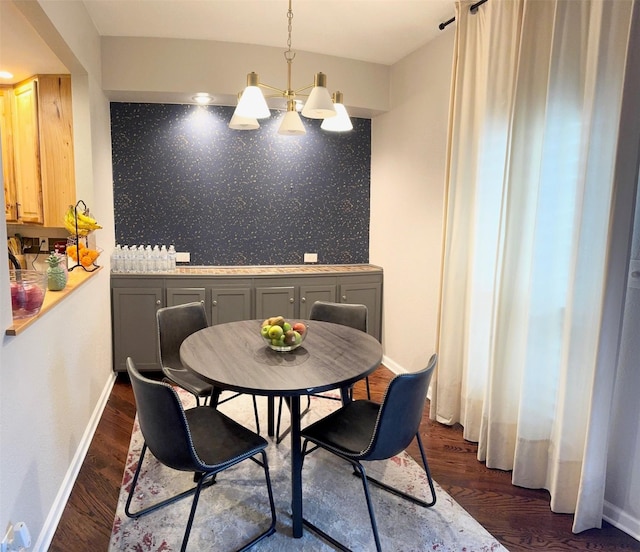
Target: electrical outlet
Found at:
310, 257
44, 244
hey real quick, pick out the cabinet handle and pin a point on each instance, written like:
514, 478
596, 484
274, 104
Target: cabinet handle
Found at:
17, 211
303, 300
291, 299
344, 297
215, 303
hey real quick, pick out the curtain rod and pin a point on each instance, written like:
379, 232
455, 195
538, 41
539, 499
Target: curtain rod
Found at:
473, 8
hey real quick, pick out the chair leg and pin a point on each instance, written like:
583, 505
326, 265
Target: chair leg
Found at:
154, 507
368, 388
206, 480
269, 531
363, 476
255, 413
367, 495
272, 527
407, 496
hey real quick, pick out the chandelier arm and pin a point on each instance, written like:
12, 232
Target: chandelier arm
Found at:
269, 87
304, 88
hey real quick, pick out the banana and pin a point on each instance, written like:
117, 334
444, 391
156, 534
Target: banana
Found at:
89, 221
81, 223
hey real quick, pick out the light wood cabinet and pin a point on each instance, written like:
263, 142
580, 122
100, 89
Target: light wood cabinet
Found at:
6, 138
43, 159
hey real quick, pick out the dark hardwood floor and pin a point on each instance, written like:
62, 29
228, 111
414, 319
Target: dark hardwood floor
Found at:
519, 518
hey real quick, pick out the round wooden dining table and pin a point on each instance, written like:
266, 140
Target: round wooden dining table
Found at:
235, 356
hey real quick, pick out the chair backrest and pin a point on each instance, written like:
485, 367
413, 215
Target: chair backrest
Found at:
347, 314
175, 324
162, 421
400, 413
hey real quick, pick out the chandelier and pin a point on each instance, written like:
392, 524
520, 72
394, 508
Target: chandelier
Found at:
252, 104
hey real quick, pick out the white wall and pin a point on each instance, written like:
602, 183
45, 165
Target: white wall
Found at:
56, 376
408, 152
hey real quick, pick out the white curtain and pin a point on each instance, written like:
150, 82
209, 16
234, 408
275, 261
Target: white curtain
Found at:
535, 110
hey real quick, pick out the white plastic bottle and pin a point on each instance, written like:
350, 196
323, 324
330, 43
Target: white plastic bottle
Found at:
155, 259
172, 258
135, 264
116, 259
147, 258
126, 259
164, 259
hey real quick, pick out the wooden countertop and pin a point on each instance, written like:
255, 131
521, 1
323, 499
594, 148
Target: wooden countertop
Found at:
52, 298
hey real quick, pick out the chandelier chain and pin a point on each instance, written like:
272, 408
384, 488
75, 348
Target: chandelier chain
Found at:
289, 54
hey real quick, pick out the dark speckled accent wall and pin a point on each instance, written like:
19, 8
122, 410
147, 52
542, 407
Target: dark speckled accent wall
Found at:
239, 197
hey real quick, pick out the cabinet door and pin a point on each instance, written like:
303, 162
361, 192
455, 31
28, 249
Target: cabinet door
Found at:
57, 164
230, 305
135, 331
27, 153
366, 293
309, 294
6, 139
275, 301
180, 296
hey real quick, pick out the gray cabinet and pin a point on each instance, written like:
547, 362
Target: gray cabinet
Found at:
274, 300
134, 328
182, 295
366, 290
135, 298
224, 300
230, 304
310, 293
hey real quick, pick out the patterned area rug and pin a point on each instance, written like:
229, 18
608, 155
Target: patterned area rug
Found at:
236, 508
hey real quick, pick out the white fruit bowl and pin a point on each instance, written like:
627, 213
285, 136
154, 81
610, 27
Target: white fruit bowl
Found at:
289, 336
28, 288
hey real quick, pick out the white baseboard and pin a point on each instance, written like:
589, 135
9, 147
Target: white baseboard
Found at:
393, 366
397, 369
622, 520
55, 513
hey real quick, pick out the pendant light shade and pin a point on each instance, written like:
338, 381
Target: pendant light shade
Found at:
341, 122
291, 123
319, 104
252, 103
243, 123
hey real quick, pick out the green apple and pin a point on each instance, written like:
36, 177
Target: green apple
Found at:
264, 331
275, 332
286, 327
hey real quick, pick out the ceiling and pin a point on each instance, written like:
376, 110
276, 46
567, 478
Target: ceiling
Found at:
378, 31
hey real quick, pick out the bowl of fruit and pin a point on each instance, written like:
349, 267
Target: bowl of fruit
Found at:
27, 292
282, 335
